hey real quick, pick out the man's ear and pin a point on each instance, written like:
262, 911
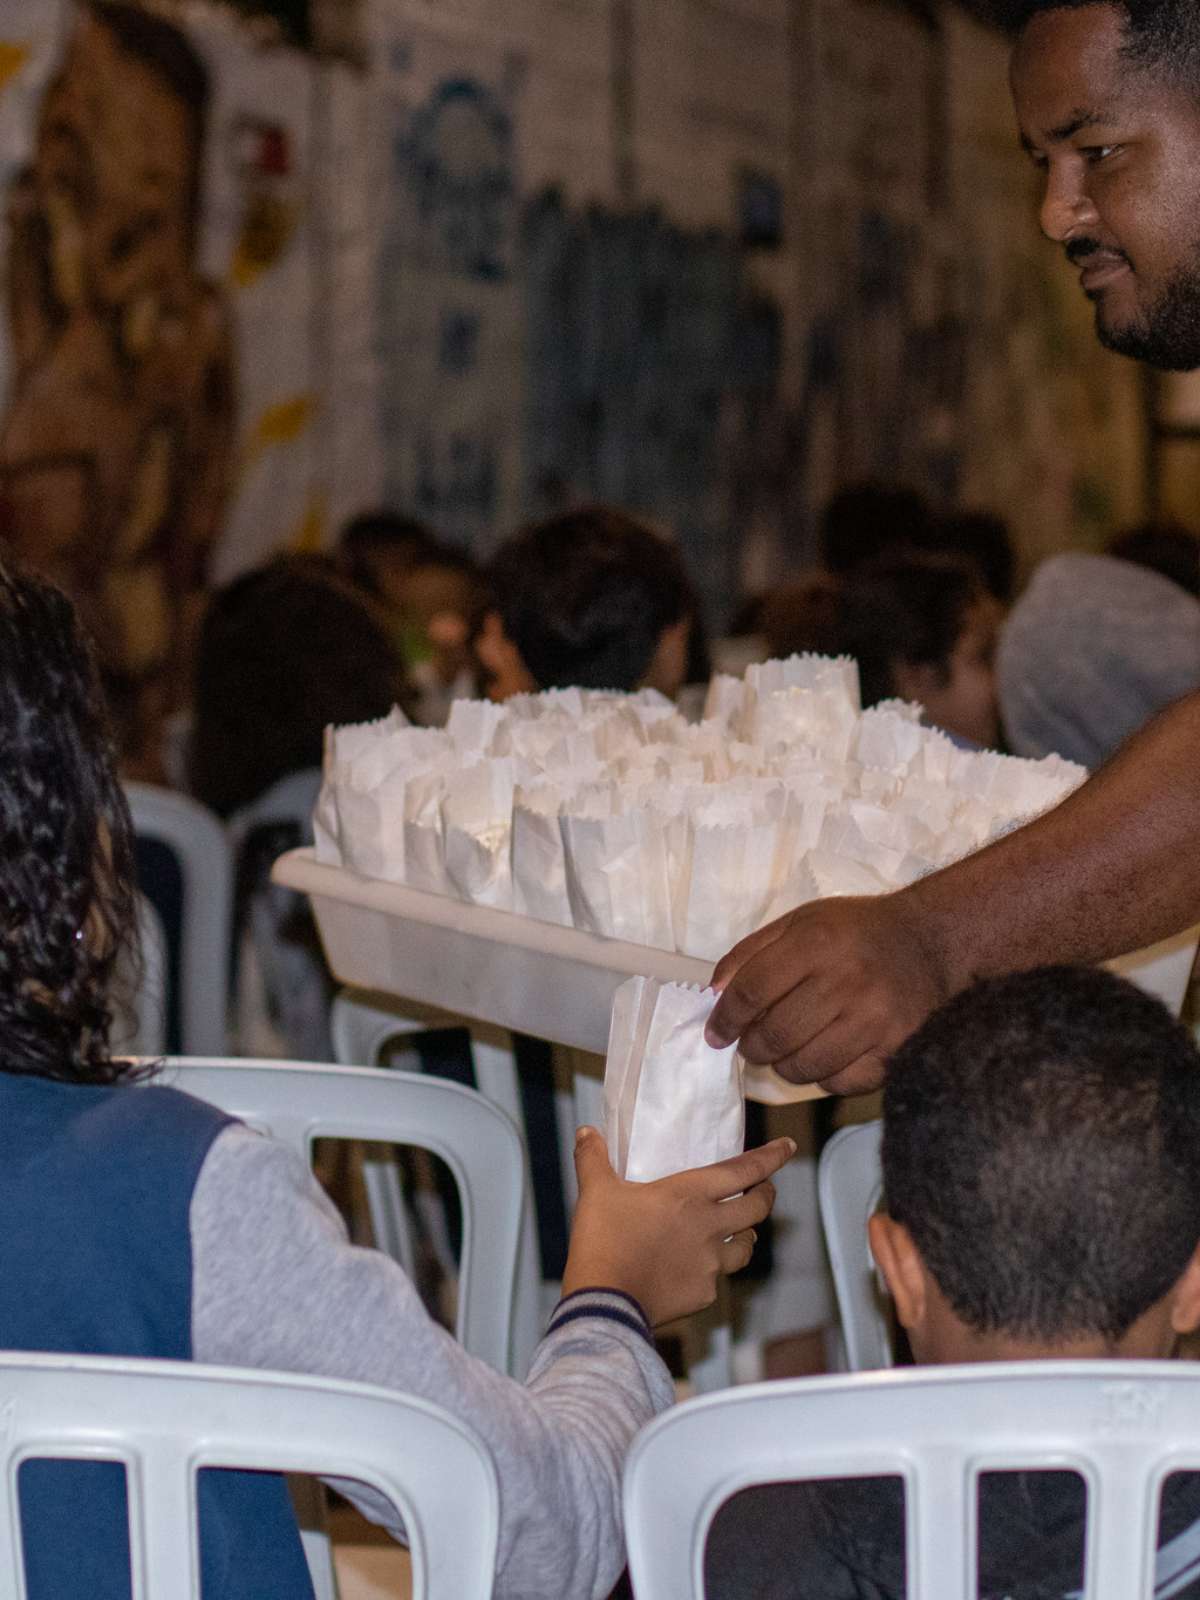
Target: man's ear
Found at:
898, 1258
1185, 1297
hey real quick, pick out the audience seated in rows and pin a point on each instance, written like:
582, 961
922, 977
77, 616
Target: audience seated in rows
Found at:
1091, 651
925, 630
175, 1231
1041, 1171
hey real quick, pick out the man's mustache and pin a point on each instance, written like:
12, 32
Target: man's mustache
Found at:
1078, 250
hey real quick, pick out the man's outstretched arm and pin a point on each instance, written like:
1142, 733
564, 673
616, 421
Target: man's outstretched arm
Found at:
829, 991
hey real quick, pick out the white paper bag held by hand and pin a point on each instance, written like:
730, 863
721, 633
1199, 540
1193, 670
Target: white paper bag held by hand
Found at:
670, 1100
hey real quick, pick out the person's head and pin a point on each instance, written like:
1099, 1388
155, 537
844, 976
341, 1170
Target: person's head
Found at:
594, 599
869, 521
1091, 651
283, 651
1107, 95
924, 630
1041, 1173
984, 541
67, 901
1163, 547
378, 550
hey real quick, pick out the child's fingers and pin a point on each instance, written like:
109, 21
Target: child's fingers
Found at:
591, 1158
745, 1171
746, 1211
736, 1252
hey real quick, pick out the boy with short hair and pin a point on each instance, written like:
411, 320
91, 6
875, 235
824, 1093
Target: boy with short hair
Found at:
1041, 1166
590, 599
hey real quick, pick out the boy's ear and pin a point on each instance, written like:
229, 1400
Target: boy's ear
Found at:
501, 660
1185, 1297
898, 1258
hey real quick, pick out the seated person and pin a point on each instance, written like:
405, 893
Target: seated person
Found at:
1041, 1167
142, 1222
590, 599
924, 629
283, 651
1092, 650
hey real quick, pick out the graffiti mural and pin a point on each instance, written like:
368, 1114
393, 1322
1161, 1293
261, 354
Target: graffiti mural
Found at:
116, 444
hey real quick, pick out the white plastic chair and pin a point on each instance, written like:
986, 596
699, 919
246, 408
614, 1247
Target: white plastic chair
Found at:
167, 1420
1124, 1426
299, 1102
365, 1026
849, 1185
140, 989
197, 839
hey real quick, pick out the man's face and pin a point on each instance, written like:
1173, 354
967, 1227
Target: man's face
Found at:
1120, 150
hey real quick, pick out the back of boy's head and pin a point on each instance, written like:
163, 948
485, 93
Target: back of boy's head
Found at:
1041, 1145
586, 596
870, 521
380, 536
906, 611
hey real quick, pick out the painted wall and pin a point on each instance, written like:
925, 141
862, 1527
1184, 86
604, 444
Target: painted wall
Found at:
707, 257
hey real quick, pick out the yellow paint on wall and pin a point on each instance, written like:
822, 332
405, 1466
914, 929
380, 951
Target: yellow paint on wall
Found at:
13, 57
280, 424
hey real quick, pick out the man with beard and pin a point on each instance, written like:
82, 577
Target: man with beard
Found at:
1107, 95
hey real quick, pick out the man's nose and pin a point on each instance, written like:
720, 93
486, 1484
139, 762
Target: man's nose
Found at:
1066, 208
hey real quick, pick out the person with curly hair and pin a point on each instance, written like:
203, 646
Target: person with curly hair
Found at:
142, 1222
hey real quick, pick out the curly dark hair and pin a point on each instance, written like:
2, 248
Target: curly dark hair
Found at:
1041, 1143
67, 897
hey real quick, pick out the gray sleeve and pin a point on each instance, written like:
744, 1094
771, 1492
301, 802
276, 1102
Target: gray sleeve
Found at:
276, 1284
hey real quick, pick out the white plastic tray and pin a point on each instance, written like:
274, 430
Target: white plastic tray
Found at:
491, 966
555, 983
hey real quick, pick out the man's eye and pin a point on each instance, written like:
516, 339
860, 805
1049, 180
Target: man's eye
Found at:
1099, 152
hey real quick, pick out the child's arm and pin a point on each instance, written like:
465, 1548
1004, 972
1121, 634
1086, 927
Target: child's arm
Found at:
276, 1284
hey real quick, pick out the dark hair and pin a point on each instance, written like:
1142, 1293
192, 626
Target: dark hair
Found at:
984, 541
67, 901
1164, 547
909, 613
1161, 36
168, 52
375, 533
283, 651
1041, 1143
868, 521
585, 597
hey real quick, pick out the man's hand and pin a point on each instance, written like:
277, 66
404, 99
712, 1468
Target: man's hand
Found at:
667, 1243
829, 991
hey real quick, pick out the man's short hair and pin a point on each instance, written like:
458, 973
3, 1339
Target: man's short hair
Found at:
1041, 1144
1161, 36
585, 597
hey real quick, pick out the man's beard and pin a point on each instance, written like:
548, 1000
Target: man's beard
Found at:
1167, 335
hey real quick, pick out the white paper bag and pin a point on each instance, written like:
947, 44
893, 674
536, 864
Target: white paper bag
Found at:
670, 1100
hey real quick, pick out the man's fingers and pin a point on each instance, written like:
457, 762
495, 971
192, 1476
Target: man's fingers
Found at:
747, 1210
736, 958
752, 982
725, 1178
591, 1158
735, 1253
787, 1027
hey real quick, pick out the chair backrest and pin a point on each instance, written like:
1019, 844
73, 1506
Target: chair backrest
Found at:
1123, 1426
849, 1184
199, 930
298, 1103
166, 1420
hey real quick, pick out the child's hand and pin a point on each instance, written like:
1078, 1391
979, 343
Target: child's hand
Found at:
666, 1243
